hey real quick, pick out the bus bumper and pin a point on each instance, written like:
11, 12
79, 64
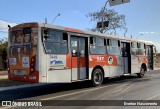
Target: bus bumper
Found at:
31, 78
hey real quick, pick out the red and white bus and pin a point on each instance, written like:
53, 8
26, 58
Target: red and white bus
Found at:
42, 53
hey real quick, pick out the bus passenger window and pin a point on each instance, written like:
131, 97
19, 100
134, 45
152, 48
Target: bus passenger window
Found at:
56, 42
113, 48
97, 45
65, 37
134, 49
141, 49
74, 44
91, 40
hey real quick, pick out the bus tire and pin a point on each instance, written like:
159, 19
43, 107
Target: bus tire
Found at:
97, 77
142, 72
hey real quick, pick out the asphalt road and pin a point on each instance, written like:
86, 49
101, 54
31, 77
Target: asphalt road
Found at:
126, 88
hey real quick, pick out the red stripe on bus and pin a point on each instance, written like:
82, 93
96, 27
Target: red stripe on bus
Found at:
74, 30
31, 78
142, 59
68, 61
103, 60
72, 62
83, 62
75, 62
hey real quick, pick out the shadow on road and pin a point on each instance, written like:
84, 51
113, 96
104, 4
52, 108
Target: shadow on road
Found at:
54, 88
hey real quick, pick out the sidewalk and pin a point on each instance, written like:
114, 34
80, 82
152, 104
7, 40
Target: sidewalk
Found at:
156, 68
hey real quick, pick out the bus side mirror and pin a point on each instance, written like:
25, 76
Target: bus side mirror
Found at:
45, 34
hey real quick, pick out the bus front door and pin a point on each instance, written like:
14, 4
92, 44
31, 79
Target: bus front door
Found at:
79, 50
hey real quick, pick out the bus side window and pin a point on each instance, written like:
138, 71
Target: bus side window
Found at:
141, 49
114, 47
97, 45
91, 40
56, 42
65, 37
108, 42
134, 49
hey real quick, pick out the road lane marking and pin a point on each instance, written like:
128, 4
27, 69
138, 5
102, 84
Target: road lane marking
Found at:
150, 98
77, 93
116, 83
81, 92
124, 90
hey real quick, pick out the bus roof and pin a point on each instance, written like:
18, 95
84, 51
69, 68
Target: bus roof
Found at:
85, 32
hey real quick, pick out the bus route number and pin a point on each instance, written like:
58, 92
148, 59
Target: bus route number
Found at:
53, 56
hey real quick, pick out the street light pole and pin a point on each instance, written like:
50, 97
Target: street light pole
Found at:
103, 15
125, 32
55, 17
139, 35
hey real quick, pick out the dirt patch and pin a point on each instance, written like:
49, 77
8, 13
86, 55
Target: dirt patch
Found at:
5, 82
3, 73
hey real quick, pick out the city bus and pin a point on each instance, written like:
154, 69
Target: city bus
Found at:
43, 53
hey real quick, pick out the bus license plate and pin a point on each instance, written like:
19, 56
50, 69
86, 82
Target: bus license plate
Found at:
19, 72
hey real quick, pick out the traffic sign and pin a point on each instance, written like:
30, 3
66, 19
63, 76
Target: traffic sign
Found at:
117, 2
105, 24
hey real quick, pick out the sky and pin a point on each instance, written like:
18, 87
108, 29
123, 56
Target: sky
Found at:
142, 16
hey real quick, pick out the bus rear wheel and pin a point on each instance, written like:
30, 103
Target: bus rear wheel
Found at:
142, 72
97, 77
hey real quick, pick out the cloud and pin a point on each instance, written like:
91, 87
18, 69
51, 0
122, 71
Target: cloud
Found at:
4, 25
147, 32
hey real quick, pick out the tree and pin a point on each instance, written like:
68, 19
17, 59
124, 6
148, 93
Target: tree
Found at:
3, 51
116, 21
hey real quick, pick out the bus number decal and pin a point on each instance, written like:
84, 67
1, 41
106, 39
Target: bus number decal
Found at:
32, 77
110, 60
100, 58
53, 56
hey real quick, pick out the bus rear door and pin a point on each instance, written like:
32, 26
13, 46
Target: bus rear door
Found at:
150, 57
126, 57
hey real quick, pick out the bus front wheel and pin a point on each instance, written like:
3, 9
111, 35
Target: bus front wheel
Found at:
142, 72
97, 77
